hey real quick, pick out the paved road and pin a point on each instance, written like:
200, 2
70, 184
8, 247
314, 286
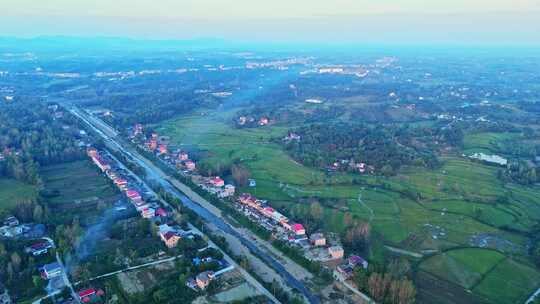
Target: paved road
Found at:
110, 137
531, 299
249, 278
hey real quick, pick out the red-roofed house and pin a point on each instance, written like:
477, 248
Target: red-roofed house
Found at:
298, 229
170, 238
101, 163
162, 149
148, 213
263, 121
133, 194
217, 182
161, 212
92, 152
87, 293
268, 211
121, 183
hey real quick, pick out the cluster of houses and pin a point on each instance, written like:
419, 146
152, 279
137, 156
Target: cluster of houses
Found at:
9, 152
203, 279
345, 164
147, 207
250, 121
12, 229
216, 185
315, 247
273, 221
160, 146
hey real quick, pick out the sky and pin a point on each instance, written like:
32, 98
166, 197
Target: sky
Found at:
341, 21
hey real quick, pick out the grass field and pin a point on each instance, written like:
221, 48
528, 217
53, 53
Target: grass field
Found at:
509, 282
75, 181
465, 267
466, 190
457, 201
13, 191
485, 142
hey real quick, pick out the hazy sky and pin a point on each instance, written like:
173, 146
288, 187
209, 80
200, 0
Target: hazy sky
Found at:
391, 21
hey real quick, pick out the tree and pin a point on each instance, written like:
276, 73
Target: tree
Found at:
16, 261
240, 175
316, 211
38, 281
406, 292
37, 214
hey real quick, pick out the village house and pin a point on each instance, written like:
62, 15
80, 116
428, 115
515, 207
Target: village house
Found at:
343, 272
318, 239
217, 182
355, 260
121, 183
335, 252
11, 221
263, 121
133, 194
183, 156
52, 270
170, 238
89, 295
229, 190
161, 212
138, 129
148, 213
39, 248
190, 165
242, 120
298, 229
203, 279
101, 163
92, 152
162, 149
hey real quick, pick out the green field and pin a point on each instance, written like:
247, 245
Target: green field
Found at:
465, 267
13, 191
75, 181
419, 209
485, 142
468, 191
509, 282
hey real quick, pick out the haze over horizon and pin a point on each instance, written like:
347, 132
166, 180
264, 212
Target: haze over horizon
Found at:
360, 21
